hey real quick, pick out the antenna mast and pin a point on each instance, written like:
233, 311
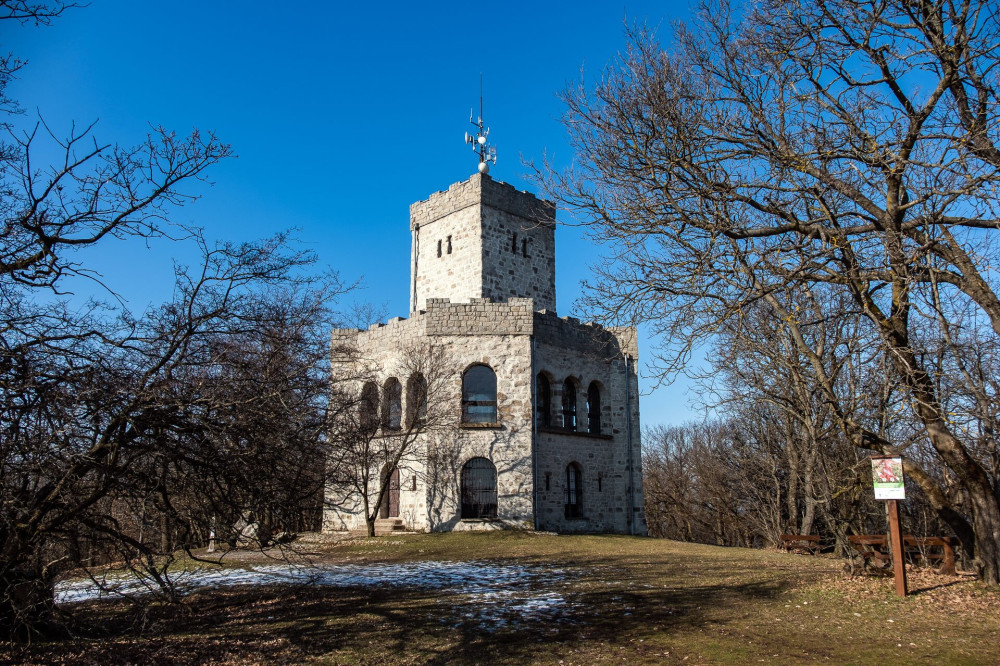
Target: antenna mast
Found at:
486, 152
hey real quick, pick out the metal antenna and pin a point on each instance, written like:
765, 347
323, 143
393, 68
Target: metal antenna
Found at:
486, 152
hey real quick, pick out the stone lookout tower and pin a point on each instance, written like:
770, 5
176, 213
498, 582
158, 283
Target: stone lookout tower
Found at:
541, 426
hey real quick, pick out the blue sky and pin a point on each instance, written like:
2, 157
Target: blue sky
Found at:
341, 115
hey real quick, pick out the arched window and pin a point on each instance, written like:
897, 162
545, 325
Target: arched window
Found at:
543, 400
594, 409
569, 405
416, 400
479, 395
574, 491
479, 489
392, 404
368, 409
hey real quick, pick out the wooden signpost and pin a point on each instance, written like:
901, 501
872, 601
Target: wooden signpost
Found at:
887, 475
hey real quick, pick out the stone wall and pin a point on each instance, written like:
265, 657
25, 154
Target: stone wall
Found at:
447, 258
458, 335
531, 458
501, 241
611, 486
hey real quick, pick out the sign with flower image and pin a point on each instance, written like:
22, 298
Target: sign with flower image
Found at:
887, 473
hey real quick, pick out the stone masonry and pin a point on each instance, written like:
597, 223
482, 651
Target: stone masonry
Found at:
483, 239
557, 464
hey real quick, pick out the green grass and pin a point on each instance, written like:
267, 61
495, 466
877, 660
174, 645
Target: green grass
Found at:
631, 600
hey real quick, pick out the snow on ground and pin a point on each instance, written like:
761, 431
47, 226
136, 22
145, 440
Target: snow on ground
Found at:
487, 594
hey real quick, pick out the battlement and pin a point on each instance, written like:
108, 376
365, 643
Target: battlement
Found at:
485, 317
480, 316
588, 338
480, 189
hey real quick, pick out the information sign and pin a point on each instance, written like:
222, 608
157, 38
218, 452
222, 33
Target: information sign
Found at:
887, 473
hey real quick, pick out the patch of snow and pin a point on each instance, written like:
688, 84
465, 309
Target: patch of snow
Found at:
489, 594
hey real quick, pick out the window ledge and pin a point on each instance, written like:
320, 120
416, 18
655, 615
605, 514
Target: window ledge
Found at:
574, 433
481, 426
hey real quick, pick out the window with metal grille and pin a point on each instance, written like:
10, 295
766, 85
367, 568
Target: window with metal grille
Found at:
479, 489
569, 405
479, 395
574, 491
594, 409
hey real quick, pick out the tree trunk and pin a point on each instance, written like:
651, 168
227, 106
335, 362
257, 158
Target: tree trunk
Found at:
27, 601
793, 483
972, 476
986, 519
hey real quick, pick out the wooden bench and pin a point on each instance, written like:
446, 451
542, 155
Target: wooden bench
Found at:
800, 543
874, 551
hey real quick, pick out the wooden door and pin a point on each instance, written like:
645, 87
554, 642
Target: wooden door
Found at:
394, 494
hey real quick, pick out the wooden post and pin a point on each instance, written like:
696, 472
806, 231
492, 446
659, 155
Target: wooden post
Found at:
896, 546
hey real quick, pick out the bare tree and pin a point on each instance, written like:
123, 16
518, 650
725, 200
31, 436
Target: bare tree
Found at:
786, 145
123, 436
129, 436
378, 422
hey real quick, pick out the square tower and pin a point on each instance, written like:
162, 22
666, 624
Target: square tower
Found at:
483, 239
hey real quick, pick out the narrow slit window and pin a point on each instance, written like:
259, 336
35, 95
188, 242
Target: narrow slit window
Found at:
513, 245
449, 244
439, 248
574, 491
524, 248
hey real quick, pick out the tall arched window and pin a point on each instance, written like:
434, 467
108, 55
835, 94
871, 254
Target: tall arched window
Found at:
416, 400
479, 489
368, 409
392, 404
569, 404
479, 395
594, 409
574, 491
543, 400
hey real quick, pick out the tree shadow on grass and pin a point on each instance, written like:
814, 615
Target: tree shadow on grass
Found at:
387, 625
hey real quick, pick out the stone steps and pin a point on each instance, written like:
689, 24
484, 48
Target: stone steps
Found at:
383, 527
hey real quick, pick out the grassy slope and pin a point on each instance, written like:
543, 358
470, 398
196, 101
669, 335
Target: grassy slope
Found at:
633, 601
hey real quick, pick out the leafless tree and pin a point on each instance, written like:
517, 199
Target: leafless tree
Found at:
122, 436
781, 146
123, 439
382, 418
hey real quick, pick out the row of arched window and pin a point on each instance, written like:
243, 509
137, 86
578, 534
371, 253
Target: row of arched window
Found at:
479, 401
388, 412
568, 411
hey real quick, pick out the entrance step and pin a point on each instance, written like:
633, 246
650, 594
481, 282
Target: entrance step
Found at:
383, 527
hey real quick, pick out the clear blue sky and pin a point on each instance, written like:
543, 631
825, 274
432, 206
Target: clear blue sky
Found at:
342, 114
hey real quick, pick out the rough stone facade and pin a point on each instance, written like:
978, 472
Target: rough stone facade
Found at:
566, 466
483, 239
